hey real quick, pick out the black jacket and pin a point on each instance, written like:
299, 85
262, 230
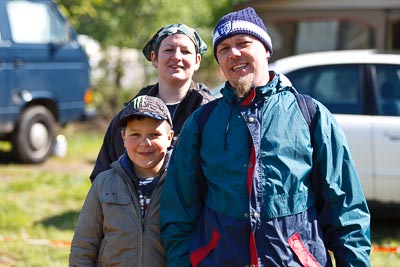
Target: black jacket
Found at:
113, 146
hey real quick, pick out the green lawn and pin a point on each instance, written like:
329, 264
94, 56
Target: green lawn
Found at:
39, 206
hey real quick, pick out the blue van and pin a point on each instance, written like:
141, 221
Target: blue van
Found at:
44, 77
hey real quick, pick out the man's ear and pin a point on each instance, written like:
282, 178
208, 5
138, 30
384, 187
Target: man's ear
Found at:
268, 55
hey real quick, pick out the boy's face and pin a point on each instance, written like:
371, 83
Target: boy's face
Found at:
146, 141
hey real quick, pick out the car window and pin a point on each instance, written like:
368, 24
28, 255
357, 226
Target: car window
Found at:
388, 80
38, 23
336, 86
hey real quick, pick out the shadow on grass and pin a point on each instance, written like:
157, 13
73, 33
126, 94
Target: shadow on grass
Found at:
64, 221
385, 223
6, 157
385, 231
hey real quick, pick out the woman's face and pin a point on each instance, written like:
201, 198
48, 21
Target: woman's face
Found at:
177, 59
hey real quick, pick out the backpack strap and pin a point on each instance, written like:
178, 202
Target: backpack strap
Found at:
205, 114
307, 108
309, 111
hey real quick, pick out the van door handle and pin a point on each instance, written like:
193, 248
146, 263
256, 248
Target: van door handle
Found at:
18, 63
393, 137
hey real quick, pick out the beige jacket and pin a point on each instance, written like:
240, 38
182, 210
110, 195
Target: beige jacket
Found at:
110, 230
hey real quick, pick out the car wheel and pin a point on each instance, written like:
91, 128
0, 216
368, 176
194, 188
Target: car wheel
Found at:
34, 137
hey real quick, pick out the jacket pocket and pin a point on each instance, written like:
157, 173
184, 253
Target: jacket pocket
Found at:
116, 198
305, 257
200, 253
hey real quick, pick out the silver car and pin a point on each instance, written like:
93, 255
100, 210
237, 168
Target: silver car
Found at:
362, 89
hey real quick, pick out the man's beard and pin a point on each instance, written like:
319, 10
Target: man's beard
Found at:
244, 85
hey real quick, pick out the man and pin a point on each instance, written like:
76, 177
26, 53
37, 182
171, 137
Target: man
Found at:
272, 198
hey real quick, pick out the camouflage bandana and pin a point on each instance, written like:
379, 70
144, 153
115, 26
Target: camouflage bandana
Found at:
154, 43
147, 106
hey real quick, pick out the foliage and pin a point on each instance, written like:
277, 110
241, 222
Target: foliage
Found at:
131, 23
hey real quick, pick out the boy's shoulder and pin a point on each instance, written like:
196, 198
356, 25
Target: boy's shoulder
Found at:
108, 175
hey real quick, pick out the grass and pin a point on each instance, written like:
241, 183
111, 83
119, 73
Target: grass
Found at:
39, 206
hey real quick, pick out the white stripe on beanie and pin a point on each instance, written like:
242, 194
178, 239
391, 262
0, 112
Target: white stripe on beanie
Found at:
230, 28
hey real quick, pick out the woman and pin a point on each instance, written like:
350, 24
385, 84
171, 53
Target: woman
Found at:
175, 51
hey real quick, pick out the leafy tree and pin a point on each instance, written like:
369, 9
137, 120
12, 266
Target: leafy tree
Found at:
131, 23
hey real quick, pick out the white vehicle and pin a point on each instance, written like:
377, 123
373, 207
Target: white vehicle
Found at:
362, 89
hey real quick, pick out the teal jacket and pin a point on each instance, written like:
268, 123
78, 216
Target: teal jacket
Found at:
255, 158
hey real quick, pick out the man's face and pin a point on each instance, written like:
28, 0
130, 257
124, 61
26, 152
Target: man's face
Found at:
244, 61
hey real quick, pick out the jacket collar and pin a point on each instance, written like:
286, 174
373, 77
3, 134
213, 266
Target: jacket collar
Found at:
127, 164
153, 91
277, 83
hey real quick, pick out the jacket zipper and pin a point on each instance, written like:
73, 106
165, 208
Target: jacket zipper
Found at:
135, 201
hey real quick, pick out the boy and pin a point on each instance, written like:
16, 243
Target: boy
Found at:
119, 224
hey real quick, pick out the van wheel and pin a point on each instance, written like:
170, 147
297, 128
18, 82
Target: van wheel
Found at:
34, 137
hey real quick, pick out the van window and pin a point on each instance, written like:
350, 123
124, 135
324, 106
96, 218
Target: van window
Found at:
388, 80
35, 23
336, 86
395, 26
302, 36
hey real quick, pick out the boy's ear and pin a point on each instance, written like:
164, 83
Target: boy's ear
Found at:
171, 135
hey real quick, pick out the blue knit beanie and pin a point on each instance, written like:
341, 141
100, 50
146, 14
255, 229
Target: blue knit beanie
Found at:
245, 21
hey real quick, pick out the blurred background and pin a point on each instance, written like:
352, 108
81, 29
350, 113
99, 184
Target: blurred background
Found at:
115, 32
40, 203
